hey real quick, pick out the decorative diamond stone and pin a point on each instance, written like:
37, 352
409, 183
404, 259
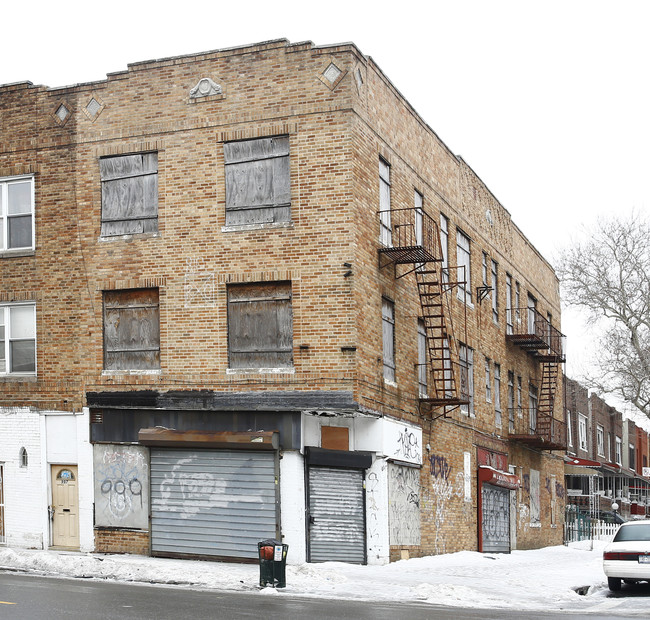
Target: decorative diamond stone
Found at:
62, 112
332, 73
359, 78
93, 107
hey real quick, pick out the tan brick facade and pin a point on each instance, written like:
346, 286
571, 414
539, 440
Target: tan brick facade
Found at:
337, 132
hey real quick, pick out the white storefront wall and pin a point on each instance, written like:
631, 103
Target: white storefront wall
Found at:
390, 440
49, 438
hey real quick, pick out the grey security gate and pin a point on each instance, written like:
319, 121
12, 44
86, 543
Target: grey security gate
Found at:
495, 518
212, 502
337, 522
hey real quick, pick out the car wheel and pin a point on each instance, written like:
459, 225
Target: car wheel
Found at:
614, 583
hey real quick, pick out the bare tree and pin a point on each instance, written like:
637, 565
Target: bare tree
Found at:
608, 274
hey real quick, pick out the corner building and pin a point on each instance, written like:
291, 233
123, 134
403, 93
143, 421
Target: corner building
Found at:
283, 307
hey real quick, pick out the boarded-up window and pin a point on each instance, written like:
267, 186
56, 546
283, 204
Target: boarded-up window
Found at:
258, 188
260, 325
129, 194
131, 330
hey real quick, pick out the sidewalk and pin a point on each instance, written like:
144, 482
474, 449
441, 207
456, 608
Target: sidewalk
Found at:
543, 579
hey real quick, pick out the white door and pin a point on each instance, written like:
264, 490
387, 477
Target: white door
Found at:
65, 501
3, 537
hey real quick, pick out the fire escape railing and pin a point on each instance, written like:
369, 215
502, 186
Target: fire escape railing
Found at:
410, 241
533, 333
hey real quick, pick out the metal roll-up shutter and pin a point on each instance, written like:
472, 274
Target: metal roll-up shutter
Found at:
215, 503
337, 515
495, 518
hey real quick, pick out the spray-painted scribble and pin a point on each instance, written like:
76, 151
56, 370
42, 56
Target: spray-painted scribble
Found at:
404, 505
440, 468
408, 448
121, 486
199, 285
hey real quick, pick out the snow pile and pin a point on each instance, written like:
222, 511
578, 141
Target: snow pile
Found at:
542, 579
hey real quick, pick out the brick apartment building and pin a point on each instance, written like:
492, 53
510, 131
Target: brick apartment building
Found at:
605, 457
250, 293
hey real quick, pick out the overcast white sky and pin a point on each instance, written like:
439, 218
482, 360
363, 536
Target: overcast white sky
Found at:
548, 101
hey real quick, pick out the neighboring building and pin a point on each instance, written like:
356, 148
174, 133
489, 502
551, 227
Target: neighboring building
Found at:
285, 308
602, 465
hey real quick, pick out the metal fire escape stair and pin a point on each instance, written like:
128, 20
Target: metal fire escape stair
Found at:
418, 246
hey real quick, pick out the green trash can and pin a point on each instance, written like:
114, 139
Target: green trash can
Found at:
273, 563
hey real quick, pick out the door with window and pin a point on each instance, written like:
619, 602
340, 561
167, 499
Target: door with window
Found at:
65, 504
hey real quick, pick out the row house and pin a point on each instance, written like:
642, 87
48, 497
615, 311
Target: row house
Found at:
250, 293
605, 457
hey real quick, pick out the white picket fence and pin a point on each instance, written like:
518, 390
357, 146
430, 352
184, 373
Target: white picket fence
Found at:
585, 529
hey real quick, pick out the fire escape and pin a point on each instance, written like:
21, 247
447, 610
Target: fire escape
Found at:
531, 332
411, 244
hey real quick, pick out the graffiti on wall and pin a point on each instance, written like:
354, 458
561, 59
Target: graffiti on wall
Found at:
408, 446
404, 505
372, 508
445, 487
121, 486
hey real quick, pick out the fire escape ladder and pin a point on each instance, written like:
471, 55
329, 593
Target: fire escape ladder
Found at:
416, 247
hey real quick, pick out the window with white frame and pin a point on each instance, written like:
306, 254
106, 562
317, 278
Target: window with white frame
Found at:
517, 305
632, 456
388, 331
609, 447
488, 381
511, 401
422, 358
17, 339
600, 440
582, 432
495, 292
497, 394
385, 227
444, 243
532, 407
484, 270
466, 359
463, 260
618, 451
418, 202
508, 303
569, 429
17, 213
519, 401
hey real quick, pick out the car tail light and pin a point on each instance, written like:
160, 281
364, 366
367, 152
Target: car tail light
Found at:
618, 555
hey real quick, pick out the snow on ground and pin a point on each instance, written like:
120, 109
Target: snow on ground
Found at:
540, 580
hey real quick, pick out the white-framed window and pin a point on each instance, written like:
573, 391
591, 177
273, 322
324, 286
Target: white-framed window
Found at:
495, 291
484, 269
418, 203
17, 213
632, 456
422, 358
463, 260
497, 394
609, 447
385, 226
569, 430
508, 303
517, 305
582, 432
600, 440
532, 407
488, 381
466, 359
388, 331
532, 314
511, 401
519, 401
618, 452
444, 245
18, 339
